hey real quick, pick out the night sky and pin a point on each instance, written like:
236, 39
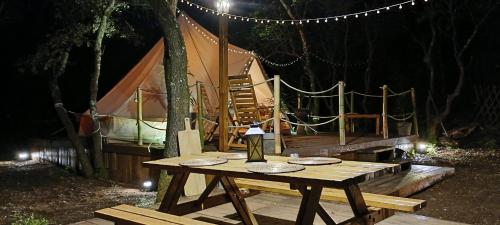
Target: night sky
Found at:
27, 109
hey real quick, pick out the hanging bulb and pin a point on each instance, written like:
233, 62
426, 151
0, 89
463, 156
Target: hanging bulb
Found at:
248, 19
317, 21
291, 22
262, 21
345, 17
412, 2
268, 21
307, 21
366, 13
300, 22
277, 21
400, 6
378, 11
387, 7
356, 16
326, 20
282, 22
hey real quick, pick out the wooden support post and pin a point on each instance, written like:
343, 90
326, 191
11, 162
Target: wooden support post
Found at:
201, 127
415, 118
299, 101
138, 100
341, 114
223, 84
277, 115
385, 127
351, 125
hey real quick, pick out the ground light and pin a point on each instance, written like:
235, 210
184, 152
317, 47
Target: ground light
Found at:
147, 185
23, 156
421, 147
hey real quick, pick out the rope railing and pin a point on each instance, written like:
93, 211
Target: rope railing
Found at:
252, 85
309, 92
394, 117
310, 125
393, 93
151, 126
366, 95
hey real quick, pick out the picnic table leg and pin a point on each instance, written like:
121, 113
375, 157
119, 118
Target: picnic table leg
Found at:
309, 205
238, 201
357, 203
174, 192
320, 210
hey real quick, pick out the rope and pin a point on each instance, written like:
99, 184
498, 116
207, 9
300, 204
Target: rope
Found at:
210, 121
248, 126
322, 117
249, 86
400, 119
366, 95
397, 94
310, 125
309, 92
293, 114
323, 96
149, 125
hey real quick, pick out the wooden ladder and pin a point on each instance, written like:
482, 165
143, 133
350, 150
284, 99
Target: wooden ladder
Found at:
244, 103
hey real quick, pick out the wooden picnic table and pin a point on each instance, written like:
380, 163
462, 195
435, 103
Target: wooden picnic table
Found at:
310, 182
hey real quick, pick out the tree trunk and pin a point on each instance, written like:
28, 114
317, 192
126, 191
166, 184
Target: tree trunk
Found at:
175, 66
62, 113
94, 83
307, 56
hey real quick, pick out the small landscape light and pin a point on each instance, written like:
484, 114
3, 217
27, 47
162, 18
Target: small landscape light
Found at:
147, 185
421, 146
23, 156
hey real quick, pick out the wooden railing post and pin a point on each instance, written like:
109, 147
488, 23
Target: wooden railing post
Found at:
341, 114
277, 115
201, 127
351, 122
415, 118
385, 127
138, 99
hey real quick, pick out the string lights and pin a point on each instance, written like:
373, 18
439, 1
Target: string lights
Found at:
214, 41
301, 21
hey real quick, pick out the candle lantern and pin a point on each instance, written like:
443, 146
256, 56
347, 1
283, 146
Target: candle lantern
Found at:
255, 144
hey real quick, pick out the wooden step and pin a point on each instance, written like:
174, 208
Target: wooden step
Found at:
376, 154
405, 163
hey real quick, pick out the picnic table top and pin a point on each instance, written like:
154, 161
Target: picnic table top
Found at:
334, 175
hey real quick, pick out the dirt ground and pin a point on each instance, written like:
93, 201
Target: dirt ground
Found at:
472, 195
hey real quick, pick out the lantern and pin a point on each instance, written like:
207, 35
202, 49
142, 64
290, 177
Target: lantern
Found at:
255, 144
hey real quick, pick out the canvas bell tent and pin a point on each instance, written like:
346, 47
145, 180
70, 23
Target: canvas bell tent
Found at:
118, 108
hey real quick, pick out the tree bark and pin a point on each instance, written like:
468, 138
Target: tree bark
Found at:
62, 113
307, 55
94, 83
175, 66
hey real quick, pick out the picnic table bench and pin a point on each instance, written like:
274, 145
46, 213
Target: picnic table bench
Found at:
126, 214
311, 183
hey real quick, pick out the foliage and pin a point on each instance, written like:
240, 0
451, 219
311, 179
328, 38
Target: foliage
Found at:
21, 219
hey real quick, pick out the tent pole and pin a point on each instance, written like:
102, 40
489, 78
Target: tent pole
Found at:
277, 115
139, 116
385, 127
223, 83
341, 114
201, 127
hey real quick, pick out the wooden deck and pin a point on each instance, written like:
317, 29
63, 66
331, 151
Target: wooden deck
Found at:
282, 210
327, 144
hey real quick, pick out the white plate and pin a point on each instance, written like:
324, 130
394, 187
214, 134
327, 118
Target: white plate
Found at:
273, 168
310, 161
203, 162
